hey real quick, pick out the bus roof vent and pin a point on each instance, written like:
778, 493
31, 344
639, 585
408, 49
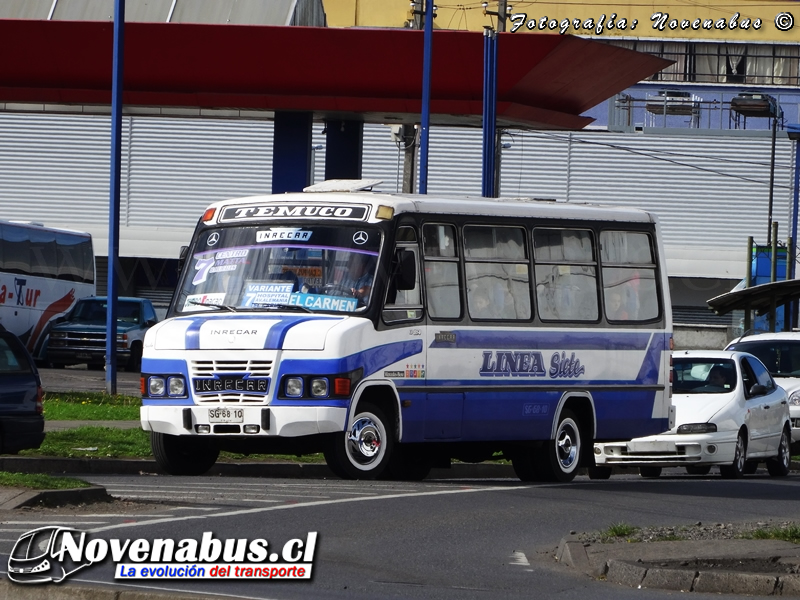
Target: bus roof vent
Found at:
344, 185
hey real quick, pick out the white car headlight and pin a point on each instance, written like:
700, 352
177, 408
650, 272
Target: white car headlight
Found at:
794, 398
697, 428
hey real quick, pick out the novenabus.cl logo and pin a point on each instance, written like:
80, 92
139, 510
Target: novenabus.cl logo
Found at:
39, 556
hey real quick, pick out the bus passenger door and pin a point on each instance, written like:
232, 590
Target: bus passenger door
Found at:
444, 404
403, 315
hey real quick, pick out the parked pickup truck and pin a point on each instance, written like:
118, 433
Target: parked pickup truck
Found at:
81, 336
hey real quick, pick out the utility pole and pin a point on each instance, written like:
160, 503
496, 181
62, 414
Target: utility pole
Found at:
408, 134
503, 9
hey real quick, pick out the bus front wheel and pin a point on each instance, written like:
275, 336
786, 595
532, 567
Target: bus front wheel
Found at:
364, 450
180, 455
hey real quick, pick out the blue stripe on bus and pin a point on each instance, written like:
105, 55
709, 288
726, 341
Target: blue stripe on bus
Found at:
275, 337
371, 360
505, 416
545, 340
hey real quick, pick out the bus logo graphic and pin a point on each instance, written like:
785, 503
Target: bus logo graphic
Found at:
39, 556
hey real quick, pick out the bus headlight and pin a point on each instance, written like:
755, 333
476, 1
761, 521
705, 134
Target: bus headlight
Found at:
294, 387
337, 386
156, 386
176, 386
319, 387
172, 386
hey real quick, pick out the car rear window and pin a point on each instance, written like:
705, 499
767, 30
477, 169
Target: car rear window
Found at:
12, 359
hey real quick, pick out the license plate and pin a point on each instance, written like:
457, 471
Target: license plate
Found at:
83, 355
226, 415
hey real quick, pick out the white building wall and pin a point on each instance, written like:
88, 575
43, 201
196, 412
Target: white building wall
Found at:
710, 193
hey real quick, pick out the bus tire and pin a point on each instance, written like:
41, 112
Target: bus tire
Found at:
599, 472
523, 461
181, 455
408, 464
364, 450
559, 458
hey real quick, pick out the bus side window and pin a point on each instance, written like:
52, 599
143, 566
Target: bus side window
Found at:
442, 285
566, 275
403, 296
630, 291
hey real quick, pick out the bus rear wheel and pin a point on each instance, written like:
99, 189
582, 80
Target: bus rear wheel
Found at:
559, 458
364, 450
180, 455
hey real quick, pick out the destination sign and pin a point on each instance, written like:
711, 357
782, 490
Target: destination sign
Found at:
356, 212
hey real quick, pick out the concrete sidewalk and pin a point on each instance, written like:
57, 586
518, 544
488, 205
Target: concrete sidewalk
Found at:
748, 567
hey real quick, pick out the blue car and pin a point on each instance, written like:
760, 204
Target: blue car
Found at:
21, 415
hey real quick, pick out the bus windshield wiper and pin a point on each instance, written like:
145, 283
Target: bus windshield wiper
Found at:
286, 307
211, 305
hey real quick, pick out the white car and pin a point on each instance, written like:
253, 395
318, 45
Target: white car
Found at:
780, 353
728, 412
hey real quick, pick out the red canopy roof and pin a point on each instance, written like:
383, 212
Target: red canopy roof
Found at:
544, 80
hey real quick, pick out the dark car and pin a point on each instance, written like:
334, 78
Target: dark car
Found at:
81, 336
21, 418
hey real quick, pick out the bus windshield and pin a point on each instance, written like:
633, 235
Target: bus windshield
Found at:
260, 267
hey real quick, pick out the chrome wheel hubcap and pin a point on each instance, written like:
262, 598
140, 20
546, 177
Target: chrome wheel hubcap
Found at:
567, 446
364, 441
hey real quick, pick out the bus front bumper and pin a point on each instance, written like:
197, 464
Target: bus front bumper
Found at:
277, 421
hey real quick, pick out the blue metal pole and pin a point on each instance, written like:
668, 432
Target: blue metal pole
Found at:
793, 258
485, 116
796, 202
493, 113
113, 212
426, 98
489, 111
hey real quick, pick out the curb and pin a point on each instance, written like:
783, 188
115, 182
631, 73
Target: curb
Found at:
103, 466
572, 553
51, 498
71, 591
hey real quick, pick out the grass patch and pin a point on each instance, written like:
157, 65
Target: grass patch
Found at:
620, 530
40, 481
94, 442
90, 406
790, 533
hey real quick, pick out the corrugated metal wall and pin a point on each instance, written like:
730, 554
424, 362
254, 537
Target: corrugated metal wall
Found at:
708, 191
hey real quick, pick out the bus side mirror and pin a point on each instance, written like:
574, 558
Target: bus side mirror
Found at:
406, 275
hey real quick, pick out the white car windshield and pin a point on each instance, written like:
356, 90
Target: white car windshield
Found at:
703, 376
280, 267
781, 357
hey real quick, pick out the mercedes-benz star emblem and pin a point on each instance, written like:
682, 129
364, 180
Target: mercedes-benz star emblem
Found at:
360, 237
212, 239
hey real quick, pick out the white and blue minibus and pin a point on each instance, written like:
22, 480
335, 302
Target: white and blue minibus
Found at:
508, 328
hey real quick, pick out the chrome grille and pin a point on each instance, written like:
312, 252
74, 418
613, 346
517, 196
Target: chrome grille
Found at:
210, 368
